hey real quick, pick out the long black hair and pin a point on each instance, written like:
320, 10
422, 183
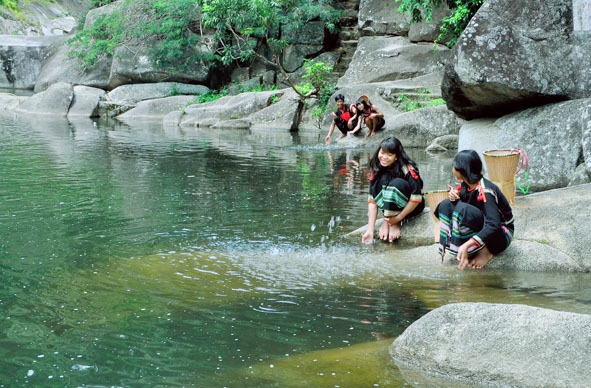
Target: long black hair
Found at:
393, 146
366, 104
469, 164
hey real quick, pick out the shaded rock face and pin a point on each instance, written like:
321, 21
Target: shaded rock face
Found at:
514, 55
484, 345
21, 60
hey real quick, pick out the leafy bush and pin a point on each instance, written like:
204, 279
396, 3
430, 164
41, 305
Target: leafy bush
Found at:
261, 29
409, 103
211, 95
9, 4
453, 25
165, 24
317, 74
100, 3
246, 27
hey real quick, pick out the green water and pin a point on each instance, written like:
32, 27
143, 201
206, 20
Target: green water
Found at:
142, 256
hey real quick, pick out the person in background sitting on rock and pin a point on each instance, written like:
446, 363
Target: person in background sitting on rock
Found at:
370, 115
344, 118
476, 221
395, 187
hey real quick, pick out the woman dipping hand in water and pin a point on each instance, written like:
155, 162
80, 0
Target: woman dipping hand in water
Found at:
476, 222
395, 187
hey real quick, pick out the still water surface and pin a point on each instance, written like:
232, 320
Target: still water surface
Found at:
142, 256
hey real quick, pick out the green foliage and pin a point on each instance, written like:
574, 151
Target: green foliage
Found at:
211, 95
97, 41
164, 24
169, 25
9, 4
317, 74
452, 26
15, 10
259, 88
275, 98
242, 29
418, 10
100, 3
409, 103
245, 27
324, 99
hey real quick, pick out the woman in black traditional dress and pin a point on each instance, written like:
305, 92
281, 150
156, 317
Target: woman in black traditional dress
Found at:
395, 187
476, 221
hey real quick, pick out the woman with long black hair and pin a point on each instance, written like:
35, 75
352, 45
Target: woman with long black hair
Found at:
476, 221
395, 186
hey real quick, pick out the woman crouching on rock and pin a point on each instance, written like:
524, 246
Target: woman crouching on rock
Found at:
476, 221
395, 187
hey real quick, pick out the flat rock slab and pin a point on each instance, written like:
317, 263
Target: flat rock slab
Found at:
496, 345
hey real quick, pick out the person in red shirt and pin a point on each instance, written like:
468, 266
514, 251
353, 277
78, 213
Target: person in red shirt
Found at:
344, 118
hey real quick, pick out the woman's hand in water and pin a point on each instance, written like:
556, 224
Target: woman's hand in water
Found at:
367, 237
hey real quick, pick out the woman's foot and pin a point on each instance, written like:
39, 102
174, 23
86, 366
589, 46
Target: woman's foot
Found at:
478, 261
384, 231
394, 233
481, 259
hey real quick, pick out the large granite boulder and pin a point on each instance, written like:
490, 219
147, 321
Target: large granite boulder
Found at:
516, 54
55, 101
495, 345
556, 138
305, 43
59, 66
86, 102
227, 108
380, 17
133, 63
282, 115
134, 93
130, 63
9, 101
380, 59
21, 59
156, 108
44, 18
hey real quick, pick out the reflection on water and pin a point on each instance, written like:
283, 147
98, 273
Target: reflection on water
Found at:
150, 256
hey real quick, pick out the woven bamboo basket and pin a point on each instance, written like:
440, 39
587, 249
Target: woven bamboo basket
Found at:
433, 198
501, 166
